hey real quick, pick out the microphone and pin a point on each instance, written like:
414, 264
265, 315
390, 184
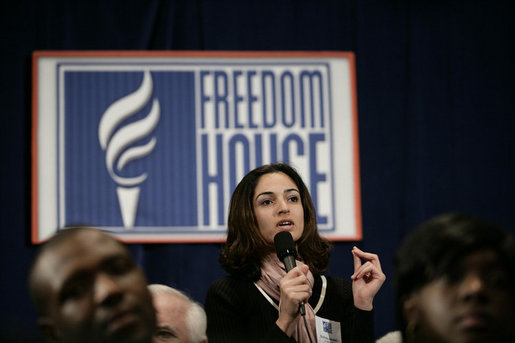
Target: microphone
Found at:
286, 252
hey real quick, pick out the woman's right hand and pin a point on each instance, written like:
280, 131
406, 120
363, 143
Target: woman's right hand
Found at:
295, 289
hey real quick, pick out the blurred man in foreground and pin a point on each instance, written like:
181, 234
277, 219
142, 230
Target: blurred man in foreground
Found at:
87, 288
455, 282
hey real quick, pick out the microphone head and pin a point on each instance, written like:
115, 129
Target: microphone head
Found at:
284, 245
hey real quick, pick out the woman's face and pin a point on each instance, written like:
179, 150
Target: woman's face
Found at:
278, 206
472, 303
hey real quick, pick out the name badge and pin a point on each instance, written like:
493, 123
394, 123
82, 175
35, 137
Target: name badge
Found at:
328, 331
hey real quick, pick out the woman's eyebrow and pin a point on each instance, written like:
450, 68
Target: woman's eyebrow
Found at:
291, 190
264, 193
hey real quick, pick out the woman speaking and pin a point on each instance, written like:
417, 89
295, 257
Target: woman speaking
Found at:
261, 300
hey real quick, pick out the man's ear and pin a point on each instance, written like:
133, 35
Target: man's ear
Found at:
410, 306
411, 314
48, 329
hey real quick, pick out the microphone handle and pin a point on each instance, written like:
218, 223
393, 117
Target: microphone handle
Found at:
289, 264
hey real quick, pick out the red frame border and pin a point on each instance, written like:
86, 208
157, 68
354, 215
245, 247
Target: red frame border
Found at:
201, 54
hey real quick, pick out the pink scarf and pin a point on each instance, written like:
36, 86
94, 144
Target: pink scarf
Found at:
272, 271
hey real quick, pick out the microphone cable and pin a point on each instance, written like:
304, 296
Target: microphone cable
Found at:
307, 329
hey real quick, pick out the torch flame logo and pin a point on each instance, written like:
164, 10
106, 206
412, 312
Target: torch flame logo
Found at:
118, 143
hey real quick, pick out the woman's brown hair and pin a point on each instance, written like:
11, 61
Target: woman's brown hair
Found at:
245, 247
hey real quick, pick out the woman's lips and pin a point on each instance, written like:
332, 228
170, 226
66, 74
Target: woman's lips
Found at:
285, 225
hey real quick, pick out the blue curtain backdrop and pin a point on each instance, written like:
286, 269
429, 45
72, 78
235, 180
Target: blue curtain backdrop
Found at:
436, 114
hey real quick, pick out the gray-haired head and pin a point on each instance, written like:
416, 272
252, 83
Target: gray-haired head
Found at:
194, 317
